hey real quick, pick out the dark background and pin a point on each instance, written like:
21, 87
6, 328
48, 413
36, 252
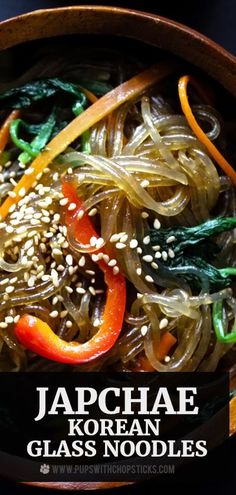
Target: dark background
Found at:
216, 19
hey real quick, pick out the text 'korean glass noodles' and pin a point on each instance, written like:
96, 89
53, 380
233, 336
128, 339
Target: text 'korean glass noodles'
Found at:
118, 226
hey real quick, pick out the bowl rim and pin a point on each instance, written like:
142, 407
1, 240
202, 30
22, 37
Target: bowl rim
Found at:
209, 56
121, 10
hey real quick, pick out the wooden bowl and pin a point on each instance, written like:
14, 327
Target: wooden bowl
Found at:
157, 31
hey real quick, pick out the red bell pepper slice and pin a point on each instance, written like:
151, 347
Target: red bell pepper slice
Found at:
37, 336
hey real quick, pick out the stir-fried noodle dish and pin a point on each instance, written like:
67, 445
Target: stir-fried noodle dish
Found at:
118, 227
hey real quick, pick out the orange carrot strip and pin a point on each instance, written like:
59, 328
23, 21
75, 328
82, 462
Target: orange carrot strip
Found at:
93, 114
4, 131
166, 343
91, 96
214, 152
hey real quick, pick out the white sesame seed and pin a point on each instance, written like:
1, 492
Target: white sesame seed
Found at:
139, 271
55, 176
171, 253
144, 183
139, 250
154, 265
94, 257
124, 238
133, 243
96, 322
33, 233
3, 324
71, 270
112, 262
63, 313
120, 245
69, 260
28, 244
92, 291
16, 319
158, 255
31, 281
148, 258
146, 240
144, 330
80, 290
148, 278
115, 270
167, 359
60, 268
139, 295
93, 241
80, 214
92, 212
100, 242
55, 300
90, 272
30, 251
70, 170
69, 324
34, 221
9, 289
164, 255
12, 194
14, 280
68, 289
54, 276
56, 252
71, 206
42, 247
163, 323
156, 224
106, 258
53, 314
144, 214
9, 319
56, 217
63, 201
13, 182
170, 239
29, 171
156, 247
9, 229
82, 261
37, 215
45, 212
114, 238
14, 222
22, 192
45, 219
